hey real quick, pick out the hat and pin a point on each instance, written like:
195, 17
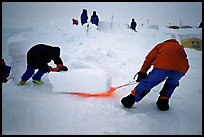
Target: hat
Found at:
84, 11
94, 12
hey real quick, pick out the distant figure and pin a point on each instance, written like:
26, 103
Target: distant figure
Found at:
84, 17
5, 72
94, 18
200, 26
38, 57
75, 22
133, 25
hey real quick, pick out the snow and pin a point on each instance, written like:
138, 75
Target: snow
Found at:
89, 77
97, 59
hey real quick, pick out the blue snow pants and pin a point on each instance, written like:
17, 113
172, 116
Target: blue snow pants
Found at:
30, 71
154, 78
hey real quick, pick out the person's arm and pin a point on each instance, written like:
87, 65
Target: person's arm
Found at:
58, 60
149, 59
60, 66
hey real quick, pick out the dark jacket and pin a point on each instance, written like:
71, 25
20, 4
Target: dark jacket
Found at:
133, 25
94, 19
40, 55
84, 17
201, 24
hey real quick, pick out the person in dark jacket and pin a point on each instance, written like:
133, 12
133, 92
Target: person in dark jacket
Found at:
94, 18
5, 71
38, 57
84, 17
200, 25
133, 25
170, 64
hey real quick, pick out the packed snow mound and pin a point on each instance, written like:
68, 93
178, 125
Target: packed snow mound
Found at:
83, 80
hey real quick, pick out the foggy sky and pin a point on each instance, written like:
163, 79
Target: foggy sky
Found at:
162, 13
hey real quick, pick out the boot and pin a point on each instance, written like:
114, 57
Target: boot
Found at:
163, 103
21, 83
39, 82
128, 101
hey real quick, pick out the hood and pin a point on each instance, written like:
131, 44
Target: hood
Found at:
171, 40
84, 11
94, 12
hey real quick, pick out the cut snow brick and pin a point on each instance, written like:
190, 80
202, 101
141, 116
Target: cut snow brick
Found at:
80, 80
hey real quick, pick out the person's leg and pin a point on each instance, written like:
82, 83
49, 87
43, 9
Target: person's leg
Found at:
37, 77
28, 73
145, 85
171, 83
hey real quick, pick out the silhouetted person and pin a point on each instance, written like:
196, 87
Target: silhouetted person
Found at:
38, 58
133, 25
84, 17
94, 18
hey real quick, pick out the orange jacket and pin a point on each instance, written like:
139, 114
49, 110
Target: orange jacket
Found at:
168, 55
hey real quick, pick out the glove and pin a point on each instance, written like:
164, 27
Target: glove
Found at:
59, 68
49, 69
59, 65
55, 69
64, 68
128, 101
52, 69
140, 76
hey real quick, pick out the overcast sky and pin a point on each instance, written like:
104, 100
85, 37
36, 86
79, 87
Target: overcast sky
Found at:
162, 13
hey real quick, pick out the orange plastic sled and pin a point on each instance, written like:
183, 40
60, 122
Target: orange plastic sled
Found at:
103, 94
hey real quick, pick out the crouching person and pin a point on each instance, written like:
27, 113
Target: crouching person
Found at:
38, 57
170, 64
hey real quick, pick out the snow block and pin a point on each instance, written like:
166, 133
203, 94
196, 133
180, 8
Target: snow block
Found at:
80, 80
17, 49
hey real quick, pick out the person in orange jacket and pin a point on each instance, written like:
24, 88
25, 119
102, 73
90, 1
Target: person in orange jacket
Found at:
170, 64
